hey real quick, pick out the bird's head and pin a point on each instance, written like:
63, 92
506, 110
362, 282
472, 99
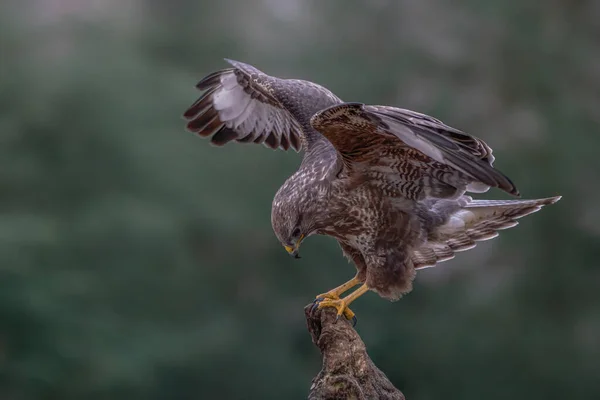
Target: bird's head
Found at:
291, 225
300, 209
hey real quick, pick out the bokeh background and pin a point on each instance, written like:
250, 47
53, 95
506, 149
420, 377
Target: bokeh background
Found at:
138, 262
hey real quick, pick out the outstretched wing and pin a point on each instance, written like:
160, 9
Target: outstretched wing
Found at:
408, 154
239, 104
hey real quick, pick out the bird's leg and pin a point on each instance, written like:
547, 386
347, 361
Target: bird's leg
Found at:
341, 305
335, 293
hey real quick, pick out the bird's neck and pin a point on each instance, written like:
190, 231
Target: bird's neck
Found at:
320, 160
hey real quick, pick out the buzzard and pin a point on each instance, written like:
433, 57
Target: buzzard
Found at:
387, 183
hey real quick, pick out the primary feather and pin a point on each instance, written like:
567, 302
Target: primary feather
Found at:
240, 104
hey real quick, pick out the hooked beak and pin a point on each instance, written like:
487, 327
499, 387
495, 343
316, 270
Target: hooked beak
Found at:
293, 250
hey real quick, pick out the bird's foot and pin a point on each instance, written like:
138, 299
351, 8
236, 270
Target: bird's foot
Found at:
332, 299
339, 304
332, 294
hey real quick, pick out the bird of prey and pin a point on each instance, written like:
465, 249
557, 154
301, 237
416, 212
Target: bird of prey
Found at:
387, 183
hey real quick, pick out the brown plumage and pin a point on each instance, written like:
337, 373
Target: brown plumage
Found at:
388, 183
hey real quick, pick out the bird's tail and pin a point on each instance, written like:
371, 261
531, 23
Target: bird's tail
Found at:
478, 220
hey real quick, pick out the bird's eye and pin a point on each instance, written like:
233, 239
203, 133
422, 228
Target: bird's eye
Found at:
296, 232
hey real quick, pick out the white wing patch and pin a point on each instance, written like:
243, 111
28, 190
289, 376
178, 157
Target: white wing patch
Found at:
245, 112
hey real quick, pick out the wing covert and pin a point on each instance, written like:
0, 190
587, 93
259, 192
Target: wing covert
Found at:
409, 154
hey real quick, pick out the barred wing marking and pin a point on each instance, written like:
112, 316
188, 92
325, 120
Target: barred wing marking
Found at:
407, 154
239, 104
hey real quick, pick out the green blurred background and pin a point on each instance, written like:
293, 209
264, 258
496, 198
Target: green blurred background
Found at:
138, 262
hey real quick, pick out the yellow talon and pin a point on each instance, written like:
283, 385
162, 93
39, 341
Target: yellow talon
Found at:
328, 295
340, 305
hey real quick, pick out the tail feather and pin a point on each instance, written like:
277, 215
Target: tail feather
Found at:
479, 220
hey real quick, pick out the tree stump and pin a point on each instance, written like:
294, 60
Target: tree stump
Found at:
347, 372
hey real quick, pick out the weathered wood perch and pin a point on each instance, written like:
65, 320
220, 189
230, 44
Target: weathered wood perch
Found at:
348, 372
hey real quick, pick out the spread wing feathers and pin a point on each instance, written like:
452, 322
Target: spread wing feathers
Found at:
239, 104
477, 221
411, 154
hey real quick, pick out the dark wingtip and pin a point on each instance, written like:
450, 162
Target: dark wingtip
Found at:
272, 141
505, 183
285, 144
199, 105
186, 115
211, 79
223, 136
295, 142
512, 189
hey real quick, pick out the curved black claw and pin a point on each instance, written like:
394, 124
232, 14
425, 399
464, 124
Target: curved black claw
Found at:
354, 320
316, 304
